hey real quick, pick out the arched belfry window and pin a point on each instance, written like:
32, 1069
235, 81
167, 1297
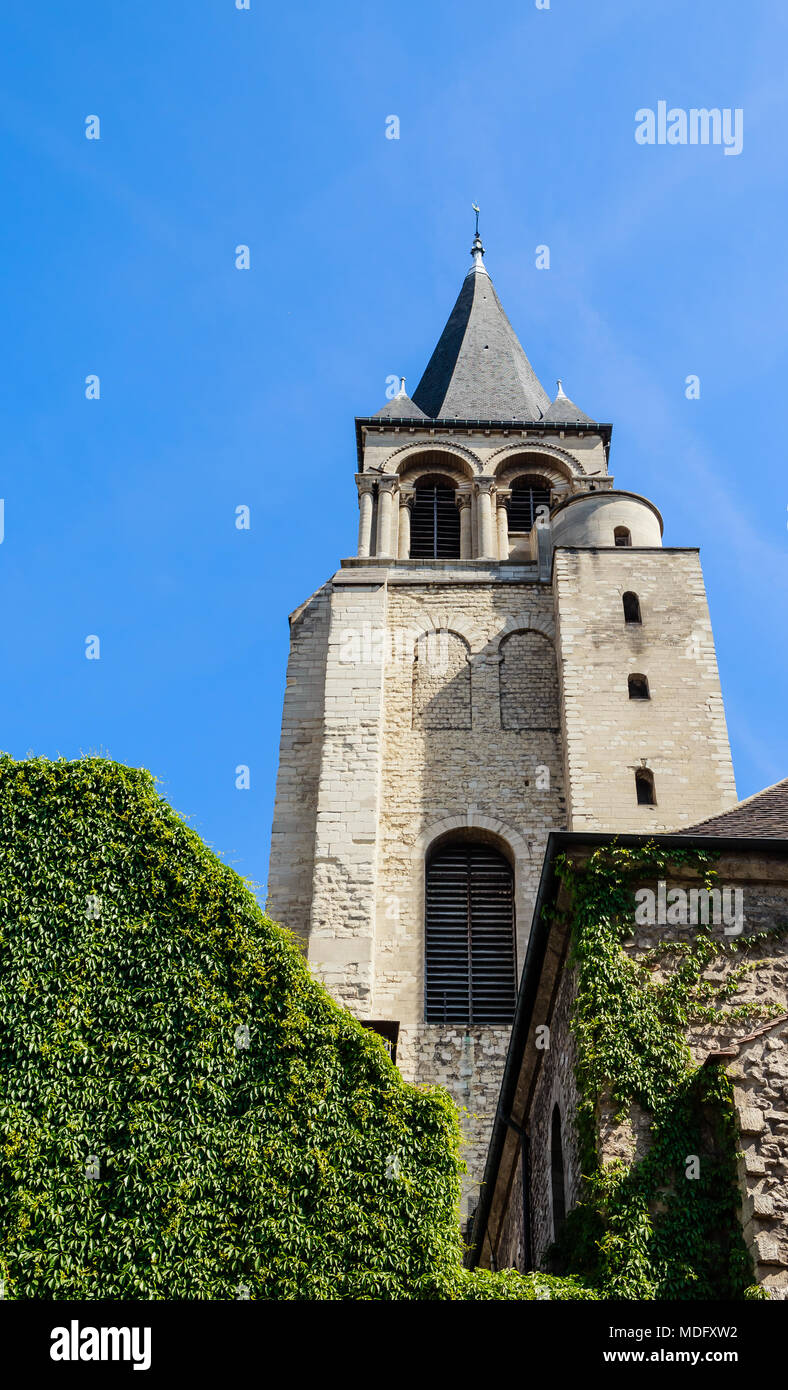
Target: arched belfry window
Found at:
435, 521
622, 535
469, 935
557, 1183
529, 493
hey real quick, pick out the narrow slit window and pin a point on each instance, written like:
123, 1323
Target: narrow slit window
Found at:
631, 608
644, 786
557, 1182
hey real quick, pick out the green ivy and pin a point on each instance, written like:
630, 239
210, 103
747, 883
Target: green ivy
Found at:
299, 1167
645, 1230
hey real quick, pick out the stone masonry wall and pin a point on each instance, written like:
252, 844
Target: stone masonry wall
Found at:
442, 683
760, 1076
468, 1062
528, 679
754, 1052
758, 1051
295, 807
680, 732
481, 779
554, 1085
344, 885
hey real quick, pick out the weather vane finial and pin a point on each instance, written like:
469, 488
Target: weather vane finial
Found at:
477, 250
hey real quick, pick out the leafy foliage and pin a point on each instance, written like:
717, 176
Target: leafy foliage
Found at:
644, 1230
300, 1166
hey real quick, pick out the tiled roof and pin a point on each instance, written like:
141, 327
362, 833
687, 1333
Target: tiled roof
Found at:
565, 412
762, 816
479, 370
400, 408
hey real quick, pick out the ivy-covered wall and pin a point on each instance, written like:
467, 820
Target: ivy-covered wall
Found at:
185, 1112
666, 1144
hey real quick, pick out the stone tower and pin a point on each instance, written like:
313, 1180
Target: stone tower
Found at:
511, 651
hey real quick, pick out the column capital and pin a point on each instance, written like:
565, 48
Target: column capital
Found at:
484, 486
463, 498
365, 482
388, 482
502, 495
407, 496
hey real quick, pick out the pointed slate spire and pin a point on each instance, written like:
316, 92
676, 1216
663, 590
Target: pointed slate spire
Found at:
565, 412
478, 370
400, 407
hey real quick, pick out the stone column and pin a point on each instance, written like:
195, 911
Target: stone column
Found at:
463, 500
502, 515
407, 497
366, 488
387, 486
488, 549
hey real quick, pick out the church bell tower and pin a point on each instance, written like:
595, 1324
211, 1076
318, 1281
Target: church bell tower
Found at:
511, 651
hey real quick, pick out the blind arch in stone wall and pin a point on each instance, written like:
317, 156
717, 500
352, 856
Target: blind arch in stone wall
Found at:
528, 681
442, 682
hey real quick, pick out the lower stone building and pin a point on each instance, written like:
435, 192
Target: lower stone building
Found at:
736, 1021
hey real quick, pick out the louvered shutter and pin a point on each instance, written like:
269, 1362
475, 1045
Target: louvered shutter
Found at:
434, 525
527, 495
470, 966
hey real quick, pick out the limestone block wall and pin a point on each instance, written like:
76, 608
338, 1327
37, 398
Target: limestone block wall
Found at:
420, 702
758, 1053
754, 1052
468, 1062
442, 683
394, 449
760, 1076
554, 1085
342, 921
295, 807
478, 777
680, 732
591, 521
528, 680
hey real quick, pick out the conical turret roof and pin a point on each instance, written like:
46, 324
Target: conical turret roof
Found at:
565, 412
400, 407
479, 370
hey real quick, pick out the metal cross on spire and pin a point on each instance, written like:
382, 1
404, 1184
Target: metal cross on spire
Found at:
477, 210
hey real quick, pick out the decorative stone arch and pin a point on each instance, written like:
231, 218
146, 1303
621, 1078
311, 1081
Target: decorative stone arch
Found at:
465, 463
509, 840
445, 621
522, 622
505, 838
560, 466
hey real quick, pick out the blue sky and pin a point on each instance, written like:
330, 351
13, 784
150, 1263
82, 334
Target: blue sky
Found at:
221, 387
